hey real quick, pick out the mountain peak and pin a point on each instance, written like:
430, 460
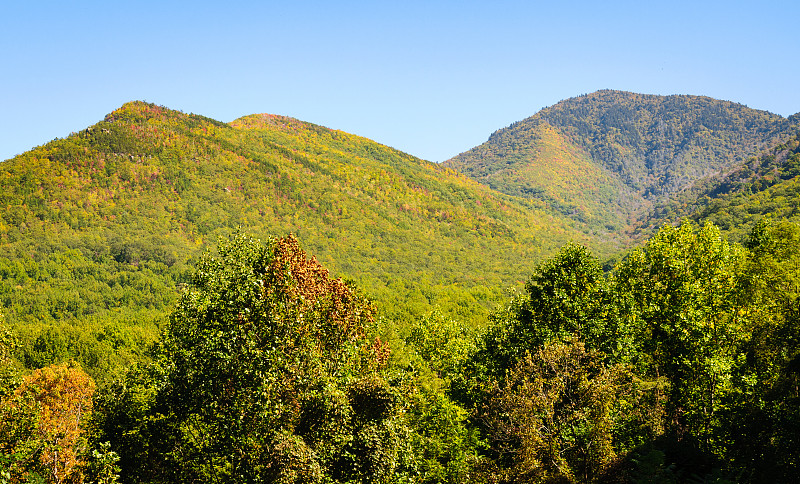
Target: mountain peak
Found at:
140, 111
632, 149
265, 120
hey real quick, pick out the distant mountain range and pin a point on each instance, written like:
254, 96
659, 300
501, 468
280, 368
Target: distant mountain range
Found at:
99, 230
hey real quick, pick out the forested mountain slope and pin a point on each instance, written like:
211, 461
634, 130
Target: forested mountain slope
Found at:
618, 153
126, 356
97, 230
764, 186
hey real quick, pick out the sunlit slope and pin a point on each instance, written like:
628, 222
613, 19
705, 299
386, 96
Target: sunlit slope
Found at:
537, 161
101, 225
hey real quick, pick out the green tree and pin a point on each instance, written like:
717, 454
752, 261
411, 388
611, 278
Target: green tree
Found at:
759, 427
568, 296
441, 343
266, 373
556, 416
8, 370
684, 294
445, 444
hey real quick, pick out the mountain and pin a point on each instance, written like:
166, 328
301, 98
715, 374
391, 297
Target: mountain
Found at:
99, 230
605, 157
680, 360
765, 186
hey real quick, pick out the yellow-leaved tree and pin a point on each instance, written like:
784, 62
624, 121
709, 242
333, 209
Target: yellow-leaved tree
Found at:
44, 417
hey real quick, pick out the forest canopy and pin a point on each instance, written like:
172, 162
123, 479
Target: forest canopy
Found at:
679, 364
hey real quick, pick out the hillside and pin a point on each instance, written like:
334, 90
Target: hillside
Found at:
129, 353
763, 186
98, 230
618, 153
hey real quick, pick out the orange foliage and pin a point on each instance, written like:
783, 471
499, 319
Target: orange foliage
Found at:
63, 394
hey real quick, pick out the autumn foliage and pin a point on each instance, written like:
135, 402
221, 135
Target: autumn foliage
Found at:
43, 424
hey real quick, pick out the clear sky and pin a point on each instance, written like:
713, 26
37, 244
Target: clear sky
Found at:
432, 78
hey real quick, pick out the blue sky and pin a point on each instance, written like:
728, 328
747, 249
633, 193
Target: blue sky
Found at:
432, 78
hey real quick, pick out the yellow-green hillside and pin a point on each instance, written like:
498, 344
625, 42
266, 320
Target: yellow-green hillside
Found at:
99, 229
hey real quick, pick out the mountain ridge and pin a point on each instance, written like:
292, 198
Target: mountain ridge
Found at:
648, 146
680, 360
100, 229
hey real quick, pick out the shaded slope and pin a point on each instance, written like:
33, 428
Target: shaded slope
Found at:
537, 161
764, 186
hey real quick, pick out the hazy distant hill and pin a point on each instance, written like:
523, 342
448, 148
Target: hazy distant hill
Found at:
98, 228
603, 157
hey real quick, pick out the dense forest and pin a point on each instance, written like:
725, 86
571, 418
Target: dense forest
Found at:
678, 365
267, 300
607, 158
763, 186
99, 230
